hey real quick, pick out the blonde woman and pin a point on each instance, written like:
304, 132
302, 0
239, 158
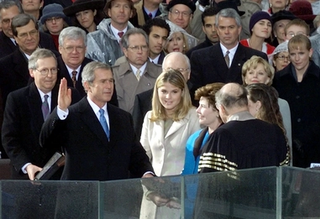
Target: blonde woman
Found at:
165, 131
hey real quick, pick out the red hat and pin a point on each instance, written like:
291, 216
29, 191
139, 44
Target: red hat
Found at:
303, 10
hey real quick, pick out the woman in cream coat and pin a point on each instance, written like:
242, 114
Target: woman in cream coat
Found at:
165, 131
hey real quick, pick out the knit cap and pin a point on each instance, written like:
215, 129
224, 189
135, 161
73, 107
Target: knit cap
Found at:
256, 17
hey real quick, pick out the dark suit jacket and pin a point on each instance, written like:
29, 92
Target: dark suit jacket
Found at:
303, 99
7, 47
208, 65
14, 73
22, 125
63, 72
142, 104
162, 55
89, 154
202, 45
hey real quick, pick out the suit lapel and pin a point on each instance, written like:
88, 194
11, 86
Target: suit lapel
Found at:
34, 104
63, 72
54, 97
162, 55
9, 43
239, 57
21, 65
237, 63
114, 123
151, 70
91, 120
127, 78
223, 68
176, 126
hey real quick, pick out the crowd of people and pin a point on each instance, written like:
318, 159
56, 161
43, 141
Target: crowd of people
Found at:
150, 88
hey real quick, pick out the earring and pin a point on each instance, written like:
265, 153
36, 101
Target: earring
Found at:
270, 5
184, 46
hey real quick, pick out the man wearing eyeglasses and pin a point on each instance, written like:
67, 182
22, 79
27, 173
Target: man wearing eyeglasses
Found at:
72, 47
25, 112
14, 67
181, 13
8, 10
137, 74
296, 27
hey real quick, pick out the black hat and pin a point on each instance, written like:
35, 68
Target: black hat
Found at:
187, 3
229, 4
82, 5
282, 15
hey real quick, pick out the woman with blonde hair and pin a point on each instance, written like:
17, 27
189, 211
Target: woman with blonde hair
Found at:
179, 40
165, 131
176, 42
258, 70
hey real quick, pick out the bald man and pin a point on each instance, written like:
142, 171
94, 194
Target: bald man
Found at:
243, 141
142, 103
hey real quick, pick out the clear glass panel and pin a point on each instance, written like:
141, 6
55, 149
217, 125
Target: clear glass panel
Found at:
300, 193
241, 194
49, 199
137, 198
286, 193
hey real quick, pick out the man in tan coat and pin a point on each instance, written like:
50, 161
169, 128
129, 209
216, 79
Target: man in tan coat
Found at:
137, 74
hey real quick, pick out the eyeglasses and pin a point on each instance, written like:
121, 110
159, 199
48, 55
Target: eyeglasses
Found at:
138, 48
178, 69
54, 19
32, 33
282, 58
46, 71
70, 49
177, 13
292, 34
